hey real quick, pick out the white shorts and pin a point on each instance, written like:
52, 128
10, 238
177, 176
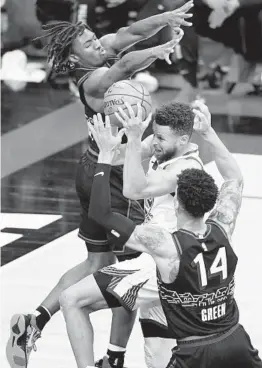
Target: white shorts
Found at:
134, 284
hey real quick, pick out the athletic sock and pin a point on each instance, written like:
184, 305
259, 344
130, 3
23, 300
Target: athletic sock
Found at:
42, 316
116, 356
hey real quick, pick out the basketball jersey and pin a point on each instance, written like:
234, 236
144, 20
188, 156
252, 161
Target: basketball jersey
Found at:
201, 299
80, 75
161, 210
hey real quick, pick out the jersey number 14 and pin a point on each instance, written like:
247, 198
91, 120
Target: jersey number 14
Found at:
218, 267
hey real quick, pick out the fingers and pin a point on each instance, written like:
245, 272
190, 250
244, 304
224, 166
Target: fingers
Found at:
201, 106
199, 115
123, 114
120, 119
139, 112
167, 57
92, 130
130, 110
186, 6
148, 119
107, 122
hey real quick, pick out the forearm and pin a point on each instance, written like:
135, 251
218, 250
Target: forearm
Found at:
148, 27
100, 210
134, 176
224, 160
135, 61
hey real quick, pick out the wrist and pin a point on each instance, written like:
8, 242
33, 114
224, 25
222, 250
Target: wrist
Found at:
208, 134
105, 157
134, 138
166, 17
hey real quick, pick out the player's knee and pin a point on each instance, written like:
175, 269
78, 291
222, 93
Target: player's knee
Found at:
68, 299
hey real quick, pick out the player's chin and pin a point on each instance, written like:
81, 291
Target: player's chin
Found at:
158, 154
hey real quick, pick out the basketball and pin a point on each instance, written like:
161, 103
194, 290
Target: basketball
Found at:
126, 91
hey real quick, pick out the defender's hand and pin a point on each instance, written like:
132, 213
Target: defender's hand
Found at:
133, 123
103, 136
177, 18
202, 121
163, 51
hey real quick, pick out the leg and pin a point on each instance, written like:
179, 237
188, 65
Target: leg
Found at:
158, 342
94, 262
121, 327
77, 302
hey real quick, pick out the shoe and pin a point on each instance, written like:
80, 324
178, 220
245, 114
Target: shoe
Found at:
104, 363
23, 335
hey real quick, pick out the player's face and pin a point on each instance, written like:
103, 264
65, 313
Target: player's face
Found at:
88, 49
165, 142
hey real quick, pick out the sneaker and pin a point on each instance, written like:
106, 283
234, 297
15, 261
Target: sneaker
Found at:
23, 335
104, 363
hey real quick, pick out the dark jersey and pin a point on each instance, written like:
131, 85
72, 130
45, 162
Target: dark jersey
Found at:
120, 204
80, 75
201, 299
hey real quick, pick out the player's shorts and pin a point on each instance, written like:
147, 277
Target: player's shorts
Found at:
92, 233
133, 284
232, 349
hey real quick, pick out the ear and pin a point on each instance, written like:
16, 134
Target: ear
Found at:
184, 139
74, 58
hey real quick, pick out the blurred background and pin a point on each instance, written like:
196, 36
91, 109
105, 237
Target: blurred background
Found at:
44, 134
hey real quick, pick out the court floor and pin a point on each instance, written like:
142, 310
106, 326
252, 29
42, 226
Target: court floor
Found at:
40, 214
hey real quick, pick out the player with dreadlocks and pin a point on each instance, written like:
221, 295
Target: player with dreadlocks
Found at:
95, 65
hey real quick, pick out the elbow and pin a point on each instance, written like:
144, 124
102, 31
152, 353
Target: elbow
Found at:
130, 194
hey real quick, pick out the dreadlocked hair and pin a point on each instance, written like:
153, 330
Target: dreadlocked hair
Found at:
60, 36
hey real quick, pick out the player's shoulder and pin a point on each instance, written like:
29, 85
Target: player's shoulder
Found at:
93, 81
152, 233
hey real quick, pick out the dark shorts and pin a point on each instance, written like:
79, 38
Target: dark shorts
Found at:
93, 234
232, 349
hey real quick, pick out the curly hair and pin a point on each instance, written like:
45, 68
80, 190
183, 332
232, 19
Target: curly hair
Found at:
196, 191
177, 116
60, 37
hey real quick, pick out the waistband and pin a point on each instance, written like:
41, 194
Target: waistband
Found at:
206, 340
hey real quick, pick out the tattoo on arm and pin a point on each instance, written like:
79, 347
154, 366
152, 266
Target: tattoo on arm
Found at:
228, 205
151, 237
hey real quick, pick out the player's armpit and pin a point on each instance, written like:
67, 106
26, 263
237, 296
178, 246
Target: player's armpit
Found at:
228, 205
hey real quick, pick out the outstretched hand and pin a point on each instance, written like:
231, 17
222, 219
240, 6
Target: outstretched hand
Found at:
102, 134
178, 16
133, 124
202, 121
164, 51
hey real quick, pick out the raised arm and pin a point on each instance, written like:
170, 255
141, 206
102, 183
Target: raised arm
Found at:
122, 230
126, 37
101, 79
230, 195
137, 184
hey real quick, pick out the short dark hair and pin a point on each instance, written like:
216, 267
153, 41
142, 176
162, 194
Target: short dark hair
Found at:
196, 191
177, 116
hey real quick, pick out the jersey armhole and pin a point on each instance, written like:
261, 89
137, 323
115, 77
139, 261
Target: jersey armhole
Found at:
215, 223
177, 244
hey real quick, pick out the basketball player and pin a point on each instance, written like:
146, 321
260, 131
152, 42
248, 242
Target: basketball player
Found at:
177, 154
195, 264
75, 47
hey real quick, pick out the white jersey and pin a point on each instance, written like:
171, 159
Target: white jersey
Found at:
161, 210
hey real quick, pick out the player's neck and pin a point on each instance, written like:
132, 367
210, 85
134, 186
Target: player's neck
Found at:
196, 226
